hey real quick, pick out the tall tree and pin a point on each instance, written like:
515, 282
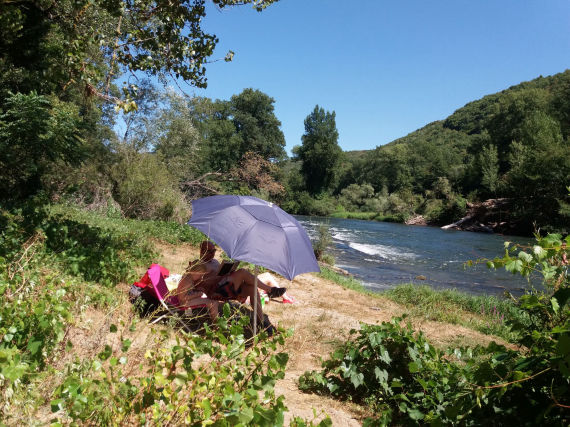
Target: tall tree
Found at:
245, 123
320, 153
65, 55
489, 160
253, 115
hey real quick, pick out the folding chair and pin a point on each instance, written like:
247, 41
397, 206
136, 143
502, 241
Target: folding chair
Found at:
170, 302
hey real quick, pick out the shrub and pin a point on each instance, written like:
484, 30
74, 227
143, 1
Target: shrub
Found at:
145, 189
401, 376
392, 370
97, 255
231, 386
323, 241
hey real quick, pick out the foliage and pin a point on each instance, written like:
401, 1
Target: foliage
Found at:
145, 189
39, 256
401, 376
447, 210
96, 255
319, 153
354, 197
34, 131
245, 123
252, 113
322, 242
174, 133
234, 385
157, 38
165, 231
390, 369
35, 311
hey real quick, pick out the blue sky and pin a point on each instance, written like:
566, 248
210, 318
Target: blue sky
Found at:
386, 68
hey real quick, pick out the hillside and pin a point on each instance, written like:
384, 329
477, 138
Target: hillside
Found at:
513, 144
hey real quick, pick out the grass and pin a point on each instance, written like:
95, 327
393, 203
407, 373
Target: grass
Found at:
347, 282
483, 313
166, 231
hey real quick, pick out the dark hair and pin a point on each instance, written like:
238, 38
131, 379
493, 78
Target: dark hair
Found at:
206, 246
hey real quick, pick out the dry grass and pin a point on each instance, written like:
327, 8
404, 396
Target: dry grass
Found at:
321, 319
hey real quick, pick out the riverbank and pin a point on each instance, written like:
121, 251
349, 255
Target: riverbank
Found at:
321, 318
327, 306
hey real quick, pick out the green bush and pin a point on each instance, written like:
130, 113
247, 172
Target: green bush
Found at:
394, 371
35, 311
447, 211
145, 189
166, 231
323, 241
98, 255
403, 378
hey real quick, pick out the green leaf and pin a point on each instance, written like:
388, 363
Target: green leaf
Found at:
105, 354
113, 328
56, 405
34, 346
357, 379
555, 305
514, 266
415, 414
539, 251
525, 257
282, 359
207, 408
245, 415
413, 367
126, 344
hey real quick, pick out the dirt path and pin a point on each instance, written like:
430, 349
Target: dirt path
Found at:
321, 318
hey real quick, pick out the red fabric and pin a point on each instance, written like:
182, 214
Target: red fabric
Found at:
145, 280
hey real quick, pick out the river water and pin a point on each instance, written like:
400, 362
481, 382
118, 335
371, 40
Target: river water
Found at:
382, 255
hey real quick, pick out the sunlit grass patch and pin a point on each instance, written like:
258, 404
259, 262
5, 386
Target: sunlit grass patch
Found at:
166, 231
347, 282
484, 313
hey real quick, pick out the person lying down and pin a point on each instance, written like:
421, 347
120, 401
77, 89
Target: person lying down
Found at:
201, 277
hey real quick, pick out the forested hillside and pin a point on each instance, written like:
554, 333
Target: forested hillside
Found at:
513, 144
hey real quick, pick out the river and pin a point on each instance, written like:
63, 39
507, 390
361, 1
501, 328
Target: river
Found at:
382, 255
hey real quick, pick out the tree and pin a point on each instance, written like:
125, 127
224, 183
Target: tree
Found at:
175, 135
35, 131
319, 153
489, 167
245, 123
71, 52
253, 115
71, 39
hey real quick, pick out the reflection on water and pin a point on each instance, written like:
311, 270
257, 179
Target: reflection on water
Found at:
382, 255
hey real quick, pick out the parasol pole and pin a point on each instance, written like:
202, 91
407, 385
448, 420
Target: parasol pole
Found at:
255, 302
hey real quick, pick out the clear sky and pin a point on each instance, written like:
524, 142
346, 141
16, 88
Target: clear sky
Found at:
386, 68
